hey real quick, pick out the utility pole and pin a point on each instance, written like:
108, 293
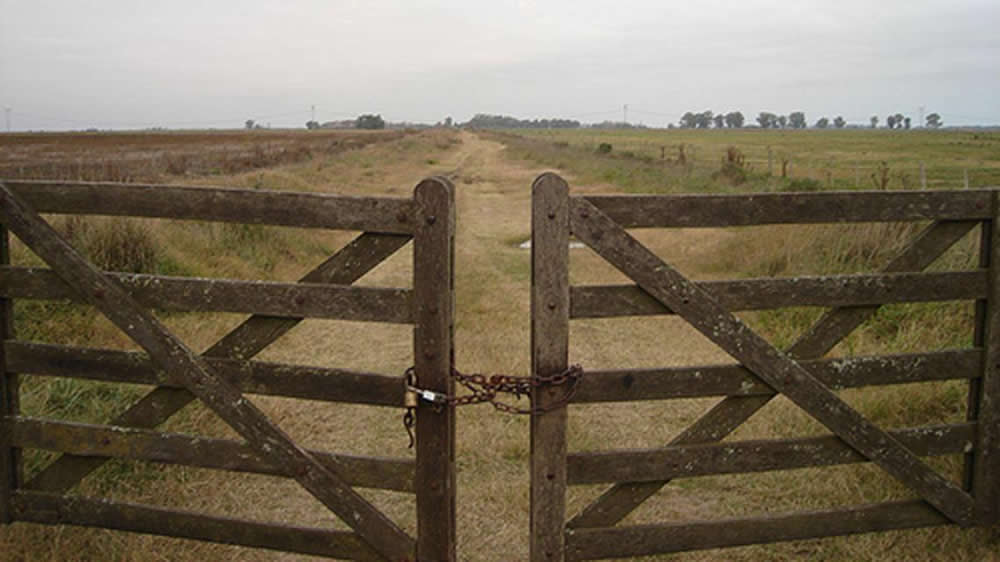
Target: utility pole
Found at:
6, 114
625, 114
921, 111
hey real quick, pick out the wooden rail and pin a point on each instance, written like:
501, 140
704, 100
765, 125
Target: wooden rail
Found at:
700, 211
277, 208
222, 374
801, 372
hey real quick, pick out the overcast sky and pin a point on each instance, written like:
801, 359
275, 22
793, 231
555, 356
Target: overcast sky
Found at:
75, 64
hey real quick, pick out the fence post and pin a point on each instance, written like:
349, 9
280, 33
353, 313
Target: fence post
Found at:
10, 457
982, 466
966, 174
923, 176
433, 350
549, 355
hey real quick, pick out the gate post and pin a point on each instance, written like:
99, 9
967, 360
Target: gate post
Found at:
549, 355
433, 351
10, 461
985, 393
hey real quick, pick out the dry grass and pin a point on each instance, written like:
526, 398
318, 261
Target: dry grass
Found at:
492, 335
153, 157
799, 159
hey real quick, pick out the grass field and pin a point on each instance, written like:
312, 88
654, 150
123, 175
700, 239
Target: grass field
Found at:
151, 157
493, 174
812, 159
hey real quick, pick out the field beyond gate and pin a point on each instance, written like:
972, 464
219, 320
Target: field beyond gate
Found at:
800, 373
493, 200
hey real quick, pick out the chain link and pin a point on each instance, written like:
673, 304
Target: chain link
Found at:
485, 388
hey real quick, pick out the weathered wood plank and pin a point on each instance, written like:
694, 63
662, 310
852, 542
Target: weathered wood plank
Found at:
434, 359
249, 206
619, 542
10, 456
734, 380
251, 337
222, 398
685, 461
606, 301
271, 298
984, 407
644, 211
619, 500
252, 377
777, 369
204, 452
549, 355
49, 509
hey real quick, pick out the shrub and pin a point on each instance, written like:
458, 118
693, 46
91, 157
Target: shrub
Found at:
604, 148
112, 244
803, 184
734, 167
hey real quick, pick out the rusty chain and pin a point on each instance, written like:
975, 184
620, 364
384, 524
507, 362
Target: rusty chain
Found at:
485, 388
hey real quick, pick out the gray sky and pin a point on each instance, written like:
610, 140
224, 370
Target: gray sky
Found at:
75, 64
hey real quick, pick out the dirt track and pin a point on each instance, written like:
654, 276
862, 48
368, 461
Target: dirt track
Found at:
492, 335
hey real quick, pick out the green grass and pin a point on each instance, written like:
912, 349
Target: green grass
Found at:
650, 160
788, 251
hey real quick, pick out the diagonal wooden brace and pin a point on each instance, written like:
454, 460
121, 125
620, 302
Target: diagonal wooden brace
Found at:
248, 339
223, 398
778, 370
619, 500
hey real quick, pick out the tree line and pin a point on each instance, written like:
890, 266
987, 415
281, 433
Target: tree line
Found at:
487, 121
794, 120
690, 120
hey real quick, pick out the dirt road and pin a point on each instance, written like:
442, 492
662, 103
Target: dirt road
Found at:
492, 335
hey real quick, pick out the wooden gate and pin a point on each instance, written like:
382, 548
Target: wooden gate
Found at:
800, 373
221, 376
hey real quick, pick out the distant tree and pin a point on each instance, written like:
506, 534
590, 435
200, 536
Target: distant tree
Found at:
782, 121
734, 120
487, 121
767, 120
312, 125
249, 124
906, 123
822, 123
797, 120
704, 119
934, 121
839, 122
899, 120
874, 121
890, 122
689, 120
720, 121
369, 121
448, 122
